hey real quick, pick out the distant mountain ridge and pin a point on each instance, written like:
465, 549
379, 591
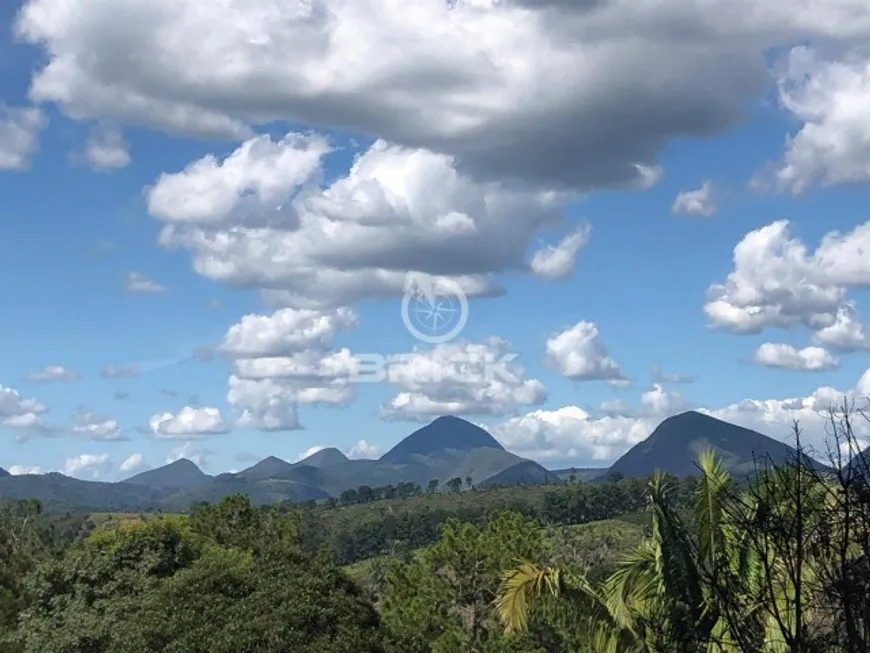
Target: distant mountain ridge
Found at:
673, 448
448, 447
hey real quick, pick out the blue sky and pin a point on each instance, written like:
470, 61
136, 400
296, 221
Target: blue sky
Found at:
92, 126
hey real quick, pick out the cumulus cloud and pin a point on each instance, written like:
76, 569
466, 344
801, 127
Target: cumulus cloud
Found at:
285, 332
53, 373
188, 423
696, 203
777, 282
23, 470
460, 378
140, 284
19, 136
846, 333
364, 450
91, 466
189, 451
831, 98
557, 261
134, 463
22, 416
396, 211
106, 149
572, 434
808, 359
455, 80
578, 353
92, 426
255, 185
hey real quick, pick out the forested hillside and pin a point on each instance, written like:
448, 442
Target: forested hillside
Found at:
659, 565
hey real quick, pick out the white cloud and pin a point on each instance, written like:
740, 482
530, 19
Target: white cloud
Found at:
846, 333
139, 283
397, 210
557, 261
19, 136
460, 378
777, 282
697, 203
106, 149
364, 450
255, 185
188, 423
22, 416
22, 470
659, 376
455, 80
832, 99
188, 451
135, 462
91, 466
92, 426
808, 359
570, 433
578, 354
51, 373
285, 332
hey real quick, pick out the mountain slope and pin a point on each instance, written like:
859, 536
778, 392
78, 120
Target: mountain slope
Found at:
444, 434
329, 457
182, 474
4, 473
266, 468
674, 445
526, 472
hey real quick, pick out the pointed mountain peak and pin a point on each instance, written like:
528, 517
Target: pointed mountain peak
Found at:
266, 468
447, 432
4, 473
324, 458
182, 473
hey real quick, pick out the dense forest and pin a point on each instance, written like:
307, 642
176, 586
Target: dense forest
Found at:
779, 562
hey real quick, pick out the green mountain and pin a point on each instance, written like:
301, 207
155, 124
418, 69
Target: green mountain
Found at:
266, 468
325, 458
580, 473
673, 448
447, 448
182, 474
525, 472
445, 434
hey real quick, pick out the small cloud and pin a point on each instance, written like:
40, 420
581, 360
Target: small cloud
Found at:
134, 463
140, 284
53, 373
697, 203
23, 470
363, 449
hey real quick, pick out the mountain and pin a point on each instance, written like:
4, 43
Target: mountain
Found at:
4, 473
266, 468
182, 474
61, 493
329, 457
526, 472
442, 435
674, 445
579, 473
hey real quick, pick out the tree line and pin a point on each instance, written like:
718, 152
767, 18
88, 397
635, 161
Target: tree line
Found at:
715, 564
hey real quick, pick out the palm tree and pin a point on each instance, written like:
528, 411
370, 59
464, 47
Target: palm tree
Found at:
690, 588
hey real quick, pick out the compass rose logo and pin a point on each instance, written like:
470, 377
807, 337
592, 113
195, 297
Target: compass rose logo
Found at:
434, 309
